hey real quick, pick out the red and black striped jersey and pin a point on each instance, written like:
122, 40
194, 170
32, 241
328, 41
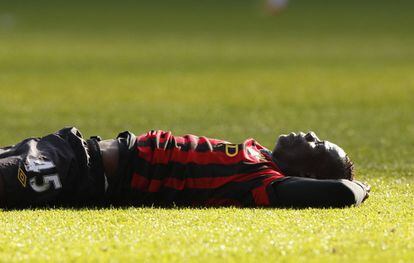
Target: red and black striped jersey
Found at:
192, 170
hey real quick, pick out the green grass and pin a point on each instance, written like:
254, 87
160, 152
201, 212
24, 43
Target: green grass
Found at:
226, 70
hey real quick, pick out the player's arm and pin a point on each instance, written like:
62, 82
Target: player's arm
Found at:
307, 192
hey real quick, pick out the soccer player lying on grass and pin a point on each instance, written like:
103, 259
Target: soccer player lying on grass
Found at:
158, 168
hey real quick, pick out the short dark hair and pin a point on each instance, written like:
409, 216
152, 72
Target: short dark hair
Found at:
339, 169
349, 168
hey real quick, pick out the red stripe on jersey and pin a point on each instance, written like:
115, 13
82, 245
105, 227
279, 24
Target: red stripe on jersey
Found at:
249, 151
260, 196
161, 137
176, 155
142, 183
139, 182
197, 139
158, 152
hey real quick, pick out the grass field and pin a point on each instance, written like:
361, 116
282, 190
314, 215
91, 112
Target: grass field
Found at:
221, 69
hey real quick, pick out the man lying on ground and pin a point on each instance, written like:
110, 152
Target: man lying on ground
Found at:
157, 168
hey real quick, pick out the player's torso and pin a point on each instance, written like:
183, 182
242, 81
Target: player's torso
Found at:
192, 170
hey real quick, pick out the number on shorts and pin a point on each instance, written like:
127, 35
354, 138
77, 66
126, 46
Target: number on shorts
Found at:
41, 166
48, 180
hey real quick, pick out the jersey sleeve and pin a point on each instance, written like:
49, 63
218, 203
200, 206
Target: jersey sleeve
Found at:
306, 192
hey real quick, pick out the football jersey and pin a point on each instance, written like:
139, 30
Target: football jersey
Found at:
199, 171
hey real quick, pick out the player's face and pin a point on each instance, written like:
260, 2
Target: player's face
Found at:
307, 156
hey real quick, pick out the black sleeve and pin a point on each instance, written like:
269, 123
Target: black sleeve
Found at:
307, 192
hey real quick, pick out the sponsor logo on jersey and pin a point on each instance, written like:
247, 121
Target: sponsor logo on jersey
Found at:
232, 150
21, 176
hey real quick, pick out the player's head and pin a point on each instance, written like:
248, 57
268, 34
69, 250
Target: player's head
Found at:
305, 155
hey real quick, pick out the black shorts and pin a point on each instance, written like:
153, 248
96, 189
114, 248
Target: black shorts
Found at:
58, 169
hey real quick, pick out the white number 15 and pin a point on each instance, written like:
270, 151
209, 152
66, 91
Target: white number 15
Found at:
39, 166
48, 180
